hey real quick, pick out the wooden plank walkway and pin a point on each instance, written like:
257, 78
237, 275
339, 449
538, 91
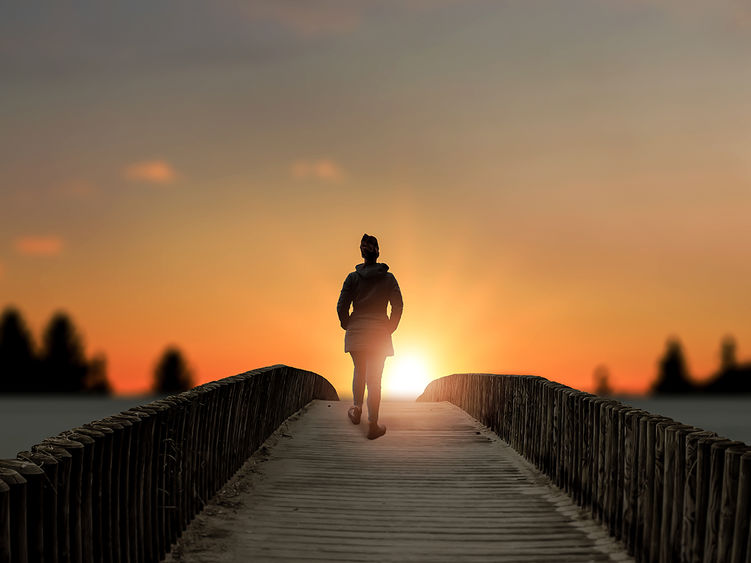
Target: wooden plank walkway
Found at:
437, 487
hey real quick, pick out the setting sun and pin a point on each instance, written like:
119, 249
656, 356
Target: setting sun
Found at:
405, 377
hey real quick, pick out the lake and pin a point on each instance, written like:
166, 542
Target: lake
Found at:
27, 420
728, 415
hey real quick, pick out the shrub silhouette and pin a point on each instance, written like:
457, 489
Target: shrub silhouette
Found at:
172, 374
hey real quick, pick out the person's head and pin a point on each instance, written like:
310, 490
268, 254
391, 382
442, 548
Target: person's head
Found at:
369, 248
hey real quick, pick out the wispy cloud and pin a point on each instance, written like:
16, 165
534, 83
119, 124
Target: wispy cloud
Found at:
318, 169
39, 245
152, 171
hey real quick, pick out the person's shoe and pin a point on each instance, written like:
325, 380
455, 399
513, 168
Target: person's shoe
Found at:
354, 414
376, 431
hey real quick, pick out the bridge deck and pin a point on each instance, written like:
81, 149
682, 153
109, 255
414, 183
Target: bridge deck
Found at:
437, 487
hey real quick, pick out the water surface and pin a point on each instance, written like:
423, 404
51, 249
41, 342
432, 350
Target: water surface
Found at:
26, 420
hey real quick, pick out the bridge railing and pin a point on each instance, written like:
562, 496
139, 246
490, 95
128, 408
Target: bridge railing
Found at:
123, 488
669, 491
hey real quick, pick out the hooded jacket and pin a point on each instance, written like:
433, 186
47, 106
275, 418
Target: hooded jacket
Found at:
369, 289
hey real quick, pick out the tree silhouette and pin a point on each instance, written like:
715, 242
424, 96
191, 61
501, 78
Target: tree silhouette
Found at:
96, 378
64, 366
602, 381
728, 360
172, 374
18, 363
673, 376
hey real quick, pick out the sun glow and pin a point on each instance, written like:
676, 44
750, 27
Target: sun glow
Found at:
405, 377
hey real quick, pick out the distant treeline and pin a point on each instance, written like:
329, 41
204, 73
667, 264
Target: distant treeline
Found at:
673, 376
60, 365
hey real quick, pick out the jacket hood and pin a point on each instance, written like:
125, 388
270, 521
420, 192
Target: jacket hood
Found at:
367, 271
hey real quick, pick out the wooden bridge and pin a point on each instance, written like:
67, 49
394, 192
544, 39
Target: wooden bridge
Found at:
437, 487
481, 468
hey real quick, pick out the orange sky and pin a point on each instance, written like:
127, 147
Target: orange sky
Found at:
554, 188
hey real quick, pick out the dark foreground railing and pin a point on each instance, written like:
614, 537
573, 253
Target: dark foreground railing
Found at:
123, 488
670, 492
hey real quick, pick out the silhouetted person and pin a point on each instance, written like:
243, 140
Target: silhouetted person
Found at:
369, 289
172, 374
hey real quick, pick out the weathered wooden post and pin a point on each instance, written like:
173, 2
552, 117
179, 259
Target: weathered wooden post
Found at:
4, 522
547, 397
74, 506
612, 485
140, 443
586, 451
171, 472
18, 542
130, 493
48, 464
87, 523
656, 535
729, 503
630, 476
598, 460
95, 495
34, 505
605, 467
620, 468
672, 496
112, 482
645, 508
147, 545
741, 535
60, 476
157, 491
183, 463
192, 474
714, 502
689, 495
573, 469
703, 473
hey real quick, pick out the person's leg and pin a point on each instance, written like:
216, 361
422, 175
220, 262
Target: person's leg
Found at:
373, 378
360, 361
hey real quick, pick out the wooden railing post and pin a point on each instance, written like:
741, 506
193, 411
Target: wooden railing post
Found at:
714, 503
86, 517
673, 490
729, 502
102, 484
73, 507
34, 505
18, 538
5, 540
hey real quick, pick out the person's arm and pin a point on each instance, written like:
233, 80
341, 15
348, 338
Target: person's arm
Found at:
397, 305
345, 300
